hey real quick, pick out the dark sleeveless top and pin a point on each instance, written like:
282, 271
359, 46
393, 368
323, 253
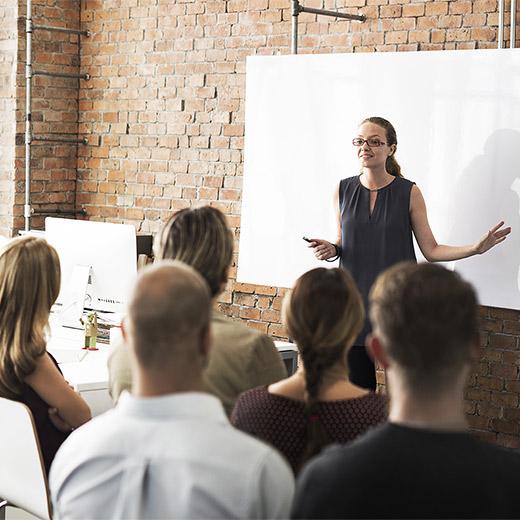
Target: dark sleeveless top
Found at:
373, 242
49, 436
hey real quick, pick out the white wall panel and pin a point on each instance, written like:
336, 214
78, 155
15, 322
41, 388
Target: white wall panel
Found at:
457, 115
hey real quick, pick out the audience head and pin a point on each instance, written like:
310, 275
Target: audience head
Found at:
29, 286
168, 317
425, 321
392, 166
323, 314
201, 238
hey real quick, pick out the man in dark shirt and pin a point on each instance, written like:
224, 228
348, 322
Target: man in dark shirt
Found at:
423, 463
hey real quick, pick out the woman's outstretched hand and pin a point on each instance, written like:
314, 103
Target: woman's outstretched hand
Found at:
323, 250
493, 237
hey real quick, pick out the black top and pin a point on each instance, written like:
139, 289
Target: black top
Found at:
281, 421
401, 472
373, 242
49, 436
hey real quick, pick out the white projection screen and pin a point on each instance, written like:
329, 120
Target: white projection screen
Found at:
457, 116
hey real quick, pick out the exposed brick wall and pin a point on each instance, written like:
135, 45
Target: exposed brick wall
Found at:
8, 44
493, 392
54, 110
164, 115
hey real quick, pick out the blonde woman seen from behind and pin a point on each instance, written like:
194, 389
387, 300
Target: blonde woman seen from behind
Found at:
318, 405
29, 286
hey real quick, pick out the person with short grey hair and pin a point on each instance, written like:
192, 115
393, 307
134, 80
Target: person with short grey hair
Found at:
168, 450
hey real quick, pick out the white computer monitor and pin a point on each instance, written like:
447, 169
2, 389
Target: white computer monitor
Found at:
108, 251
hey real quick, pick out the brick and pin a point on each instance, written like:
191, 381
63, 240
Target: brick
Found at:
502, 341
484, 6
460, 7
477, 422
504, 370
449, 22
396, 37
413, 9
485, 409
508, 441
249, 313
504, 399
490, 383
390, 11
504, 314
483, 33
436, 8
477, 394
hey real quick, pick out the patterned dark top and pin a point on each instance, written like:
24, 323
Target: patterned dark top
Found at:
372, 242
281, 421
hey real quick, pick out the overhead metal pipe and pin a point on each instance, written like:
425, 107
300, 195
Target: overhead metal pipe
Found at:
60, 75
60, 140
60, 29
336, 14
297, 9
49, 213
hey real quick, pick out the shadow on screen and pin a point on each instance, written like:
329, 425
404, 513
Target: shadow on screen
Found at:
487, 192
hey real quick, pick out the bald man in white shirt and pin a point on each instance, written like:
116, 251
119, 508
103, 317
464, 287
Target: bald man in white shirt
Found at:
167, 450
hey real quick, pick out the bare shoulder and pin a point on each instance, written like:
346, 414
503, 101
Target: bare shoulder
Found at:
290, 388
416, 198
44, 367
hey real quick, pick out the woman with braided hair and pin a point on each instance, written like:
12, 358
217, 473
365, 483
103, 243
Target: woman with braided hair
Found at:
317, 405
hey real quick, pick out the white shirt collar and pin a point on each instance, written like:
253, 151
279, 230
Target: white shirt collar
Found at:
188, 405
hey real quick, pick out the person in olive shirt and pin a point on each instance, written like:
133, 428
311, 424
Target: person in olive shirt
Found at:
423, 463
241, 358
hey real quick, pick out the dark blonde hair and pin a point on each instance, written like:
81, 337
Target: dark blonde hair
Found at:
29, 285
201, 238
392, 166
323, 314
427, 319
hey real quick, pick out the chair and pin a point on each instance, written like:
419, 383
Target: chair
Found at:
23, 482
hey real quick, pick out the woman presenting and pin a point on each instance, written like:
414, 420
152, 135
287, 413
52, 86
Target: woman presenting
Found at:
377, 212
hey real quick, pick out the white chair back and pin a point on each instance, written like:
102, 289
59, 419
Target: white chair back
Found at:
23, 482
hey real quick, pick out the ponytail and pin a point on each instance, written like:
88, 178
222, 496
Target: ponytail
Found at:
393, 167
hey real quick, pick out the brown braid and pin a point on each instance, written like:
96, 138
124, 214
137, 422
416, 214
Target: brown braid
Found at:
324, 314
317, 436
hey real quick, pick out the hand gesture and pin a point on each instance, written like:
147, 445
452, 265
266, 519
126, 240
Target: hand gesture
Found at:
323, 250
493, 237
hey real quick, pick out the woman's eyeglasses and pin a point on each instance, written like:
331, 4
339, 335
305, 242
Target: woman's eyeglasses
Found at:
373, 142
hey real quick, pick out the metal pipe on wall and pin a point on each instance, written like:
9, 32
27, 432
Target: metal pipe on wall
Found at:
297, 9
28, 77
294, 35
501, 24
512, 37
29, 74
